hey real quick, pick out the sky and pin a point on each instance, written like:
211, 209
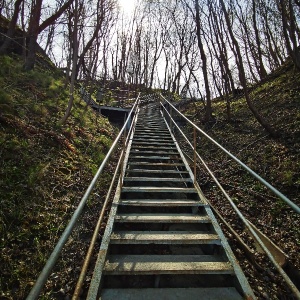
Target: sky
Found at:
127, 6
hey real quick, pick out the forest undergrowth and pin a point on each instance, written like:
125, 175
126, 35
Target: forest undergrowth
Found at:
45, 169
276, 160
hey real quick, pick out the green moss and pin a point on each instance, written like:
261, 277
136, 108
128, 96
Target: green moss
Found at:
7, 65
44, 168
105, 141
36, 173
5, 98
56, 87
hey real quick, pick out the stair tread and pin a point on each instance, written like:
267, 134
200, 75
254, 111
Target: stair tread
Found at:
160, 179
152, 136
156, 164
158, 189
161, 202
154, 141
136, 268
156, 171
182, 237
151, 133
147, 142
147, 138
122, 258
164, 218
153, 152
215, 293
155, 157
152, 127
154, 148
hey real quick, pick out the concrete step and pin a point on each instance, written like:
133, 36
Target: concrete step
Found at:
159, 148
154, 118
150, 131
161, 202
143, 152
158, 179
153, 144
154, 158
149, 118
153, 127
162, 218
142, 157
152, 136
158, 165
141, 189
124, 258
216, 293
160, 141
155, 268
145, 171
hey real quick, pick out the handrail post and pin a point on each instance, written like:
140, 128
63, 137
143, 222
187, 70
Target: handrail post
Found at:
123, 153
171, 111
195, 155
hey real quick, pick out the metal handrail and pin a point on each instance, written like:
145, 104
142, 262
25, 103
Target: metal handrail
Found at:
289, 282
258, 177
39, 284
86, 262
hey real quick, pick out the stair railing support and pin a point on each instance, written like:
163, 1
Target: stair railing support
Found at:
123, 152
171, 117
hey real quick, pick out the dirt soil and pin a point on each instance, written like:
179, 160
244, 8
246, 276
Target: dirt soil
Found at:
276, 160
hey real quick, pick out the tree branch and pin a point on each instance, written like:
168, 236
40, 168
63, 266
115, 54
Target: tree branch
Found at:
55, 16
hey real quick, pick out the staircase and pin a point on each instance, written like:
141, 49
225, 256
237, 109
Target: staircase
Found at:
162, 241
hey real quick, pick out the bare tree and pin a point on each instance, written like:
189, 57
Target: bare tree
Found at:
208, 107
103, 12
33, 31
51, 20
276, 56
35, 28
2, 4
261, 68
11, 27
289, 29
242, 76
74, 63
218, 44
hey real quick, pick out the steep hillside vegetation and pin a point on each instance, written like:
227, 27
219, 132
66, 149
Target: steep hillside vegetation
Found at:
44, 171
276, 160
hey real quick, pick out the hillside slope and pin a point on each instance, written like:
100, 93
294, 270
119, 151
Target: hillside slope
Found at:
44, 171
276, 160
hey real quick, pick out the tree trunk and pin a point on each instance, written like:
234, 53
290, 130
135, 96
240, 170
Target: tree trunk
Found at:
33, 34
262, 71
208, 108
288, 27
242, 77
55, 16
100, 19
11, 28
74, 63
